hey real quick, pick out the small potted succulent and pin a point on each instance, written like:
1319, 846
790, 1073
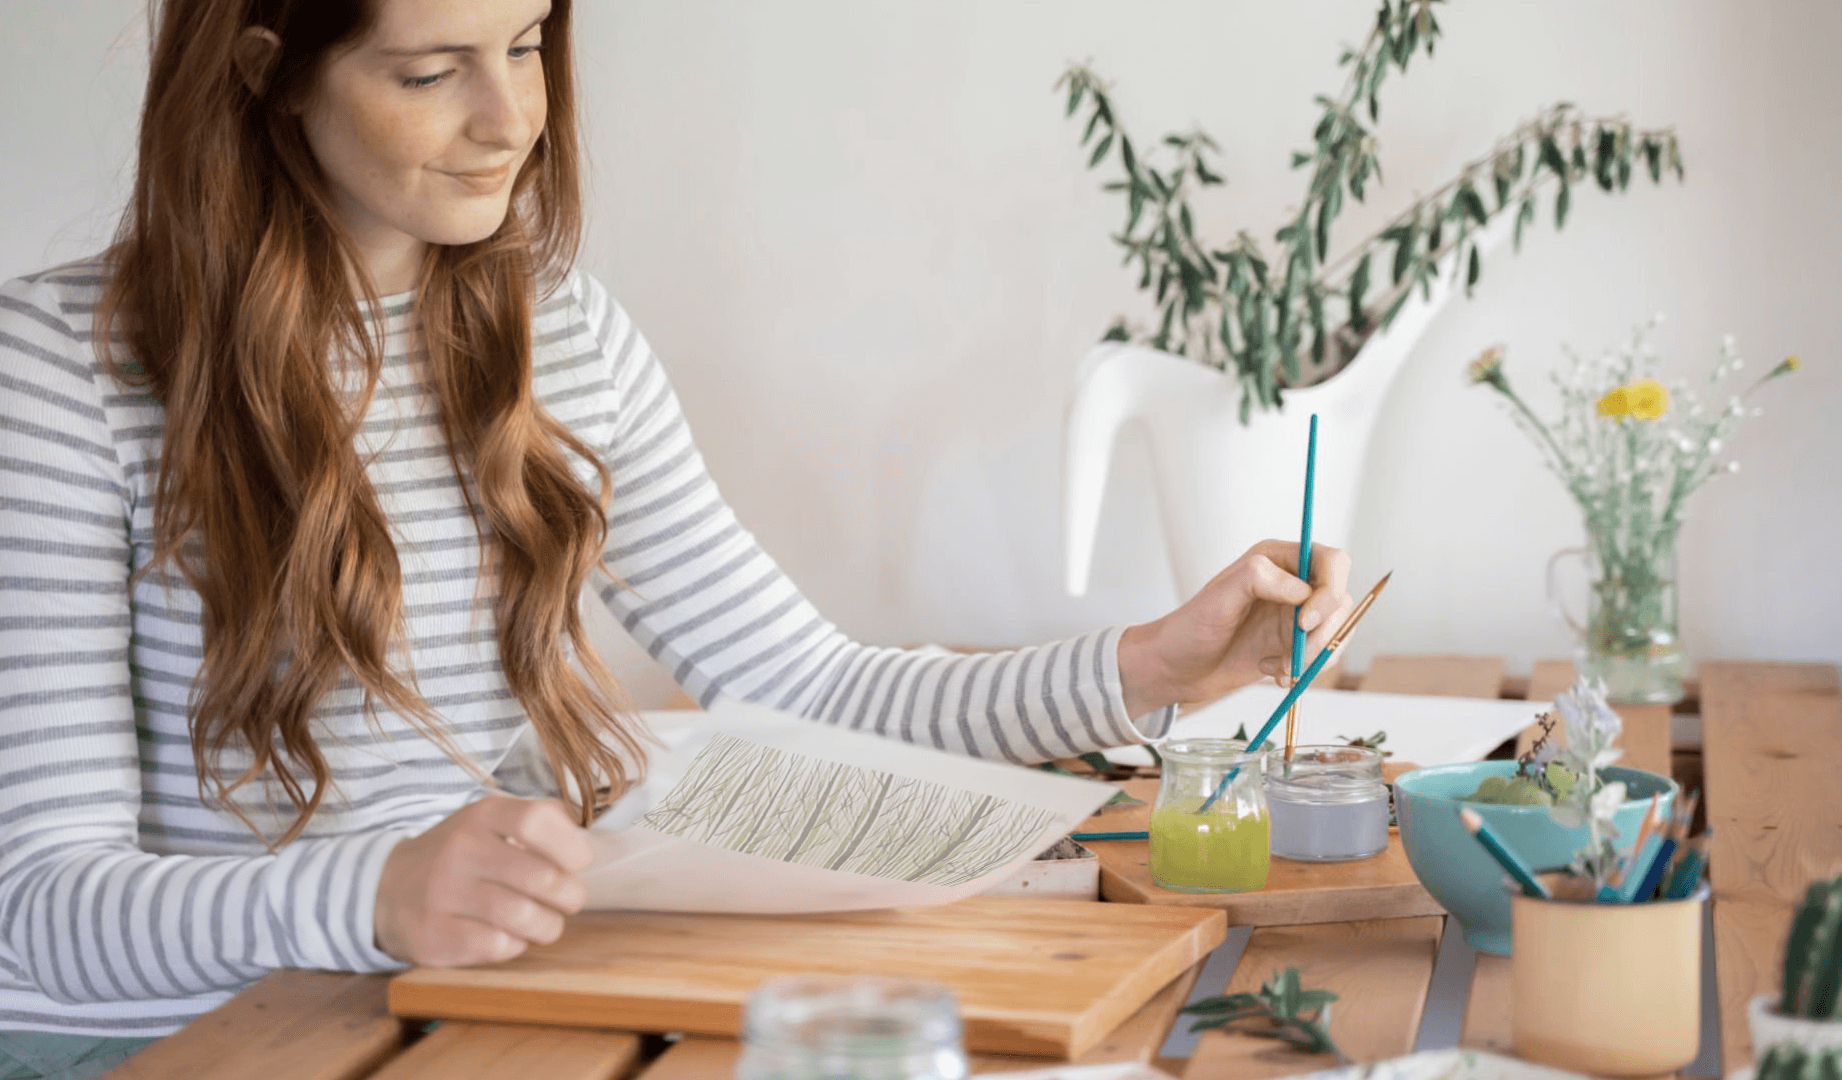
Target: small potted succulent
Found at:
1805, 1019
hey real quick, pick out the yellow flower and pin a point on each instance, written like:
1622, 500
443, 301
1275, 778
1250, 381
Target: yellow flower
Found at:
1645, 400
1792, 363
1648, 400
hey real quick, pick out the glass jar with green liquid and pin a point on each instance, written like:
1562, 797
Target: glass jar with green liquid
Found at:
1225, 848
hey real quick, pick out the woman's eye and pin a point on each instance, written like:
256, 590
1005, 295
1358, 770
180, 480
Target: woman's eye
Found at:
423, 82
519, 52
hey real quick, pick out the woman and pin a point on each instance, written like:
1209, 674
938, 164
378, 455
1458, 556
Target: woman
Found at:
300, 484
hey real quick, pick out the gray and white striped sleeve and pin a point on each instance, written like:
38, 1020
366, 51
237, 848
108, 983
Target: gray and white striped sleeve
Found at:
85, 914
696, 590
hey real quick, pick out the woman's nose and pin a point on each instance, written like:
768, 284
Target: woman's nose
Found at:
506, 112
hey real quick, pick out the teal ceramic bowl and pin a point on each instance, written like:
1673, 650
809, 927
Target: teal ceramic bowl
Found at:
1457, 870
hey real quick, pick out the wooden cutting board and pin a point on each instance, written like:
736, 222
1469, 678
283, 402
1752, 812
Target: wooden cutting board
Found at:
1038, 977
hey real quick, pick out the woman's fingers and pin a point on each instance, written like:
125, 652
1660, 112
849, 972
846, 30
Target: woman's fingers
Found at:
541, 826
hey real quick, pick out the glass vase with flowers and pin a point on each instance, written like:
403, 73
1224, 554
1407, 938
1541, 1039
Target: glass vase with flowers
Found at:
1630, 451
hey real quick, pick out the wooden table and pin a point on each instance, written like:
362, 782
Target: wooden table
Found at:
1772, 733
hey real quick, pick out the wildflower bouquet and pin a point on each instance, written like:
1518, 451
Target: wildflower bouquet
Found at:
1630, 451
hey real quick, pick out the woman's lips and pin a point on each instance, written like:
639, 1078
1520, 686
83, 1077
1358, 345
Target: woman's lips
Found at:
483, 183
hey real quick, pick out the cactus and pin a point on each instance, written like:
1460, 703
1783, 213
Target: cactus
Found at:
1813, 956
1791, 1062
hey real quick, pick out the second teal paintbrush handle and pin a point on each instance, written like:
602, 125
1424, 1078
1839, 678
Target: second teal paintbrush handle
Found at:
1304, 543
1271, 723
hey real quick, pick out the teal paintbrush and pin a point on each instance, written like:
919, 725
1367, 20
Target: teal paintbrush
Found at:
1304, 574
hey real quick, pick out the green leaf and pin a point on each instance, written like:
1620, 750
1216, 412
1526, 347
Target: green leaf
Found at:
1187, 223
1323, 232
1394, 309
1524, 216
1550, 156
1208, 178
1075, 89
1098, 762
1653, 160
1359, 286
1117, 331
1300, 159
1434, 234
1563, 199
1135, 206
1469, 202
1126, 155
1092, 123
1604, 149
1156, 758
1471, 272
1106, 143
1579, 158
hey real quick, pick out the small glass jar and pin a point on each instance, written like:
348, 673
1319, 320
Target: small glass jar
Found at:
1220, 849
850, 1028
1329, 804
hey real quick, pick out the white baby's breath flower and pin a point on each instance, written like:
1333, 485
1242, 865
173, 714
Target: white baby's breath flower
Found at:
1713, 448
1733, 466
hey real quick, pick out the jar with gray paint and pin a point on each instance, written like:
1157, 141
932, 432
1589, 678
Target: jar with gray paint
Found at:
1328, 804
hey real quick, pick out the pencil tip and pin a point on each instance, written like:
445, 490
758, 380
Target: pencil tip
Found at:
1471, 818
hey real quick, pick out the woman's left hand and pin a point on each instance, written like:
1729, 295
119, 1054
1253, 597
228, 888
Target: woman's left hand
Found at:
1236, 630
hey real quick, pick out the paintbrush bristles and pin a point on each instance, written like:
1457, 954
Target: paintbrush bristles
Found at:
1362, 608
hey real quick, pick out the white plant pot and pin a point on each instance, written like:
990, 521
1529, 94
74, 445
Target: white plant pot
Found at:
1769, 1029
1223, 486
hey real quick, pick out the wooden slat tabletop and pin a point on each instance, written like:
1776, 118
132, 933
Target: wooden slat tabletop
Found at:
1773, 735
1771, 738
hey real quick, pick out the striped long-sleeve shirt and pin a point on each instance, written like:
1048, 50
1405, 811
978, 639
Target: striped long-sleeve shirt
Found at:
128, 906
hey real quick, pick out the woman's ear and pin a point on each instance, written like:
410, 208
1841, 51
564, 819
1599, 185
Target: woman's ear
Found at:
255, 54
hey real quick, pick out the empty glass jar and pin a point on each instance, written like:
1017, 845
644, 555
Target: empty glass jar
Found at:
851, 1028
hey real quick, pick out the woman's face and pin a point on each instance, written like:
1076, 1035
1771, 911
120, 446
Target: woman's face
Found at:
421, 127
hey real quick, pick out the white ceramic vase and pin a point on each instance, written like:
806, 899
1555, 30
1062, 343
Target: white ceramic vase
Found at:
1223, 486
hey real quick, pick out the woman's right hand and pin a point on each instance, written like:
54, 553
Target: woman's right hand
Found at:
491, 879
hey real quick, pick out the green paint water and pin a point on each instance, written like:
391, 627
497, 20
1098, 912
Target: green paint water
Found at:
1209, 852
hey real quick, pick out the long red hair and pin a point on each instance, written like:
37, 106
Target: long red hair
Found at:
229, 291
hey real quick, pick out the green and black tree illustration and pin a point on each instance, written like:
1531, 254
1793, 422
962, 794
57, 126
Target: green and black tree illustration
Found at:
780, 805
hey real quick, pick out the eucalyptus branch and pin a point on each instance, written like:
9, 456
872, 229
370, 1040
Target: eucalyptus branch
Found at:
1282, 1010
1262, 315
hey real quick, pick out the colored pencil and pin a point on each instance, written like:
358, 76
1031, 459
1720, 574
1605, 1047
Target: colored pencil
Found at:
1474, 824
1304, 574
1109, 836
1647, 885
1335, 643
1612, 891
1688, 870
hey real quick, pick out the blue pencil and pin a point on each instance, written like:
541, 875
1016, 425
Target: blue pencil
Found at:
1304, 573
1654, 875
1474, 823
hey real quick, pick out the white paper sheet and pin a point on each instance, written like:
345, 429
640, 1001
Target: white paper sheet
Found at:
1424, 730
756, 811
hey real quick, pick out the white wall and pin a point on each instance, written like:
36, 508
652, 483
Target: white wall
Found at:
859, 233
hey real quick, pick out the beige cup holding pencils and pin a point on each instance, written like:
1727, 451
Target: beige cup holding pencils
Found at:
1611, 989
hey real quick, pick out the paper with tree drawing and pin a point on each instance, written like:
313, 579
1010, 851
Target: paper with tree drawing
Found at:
757, 811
